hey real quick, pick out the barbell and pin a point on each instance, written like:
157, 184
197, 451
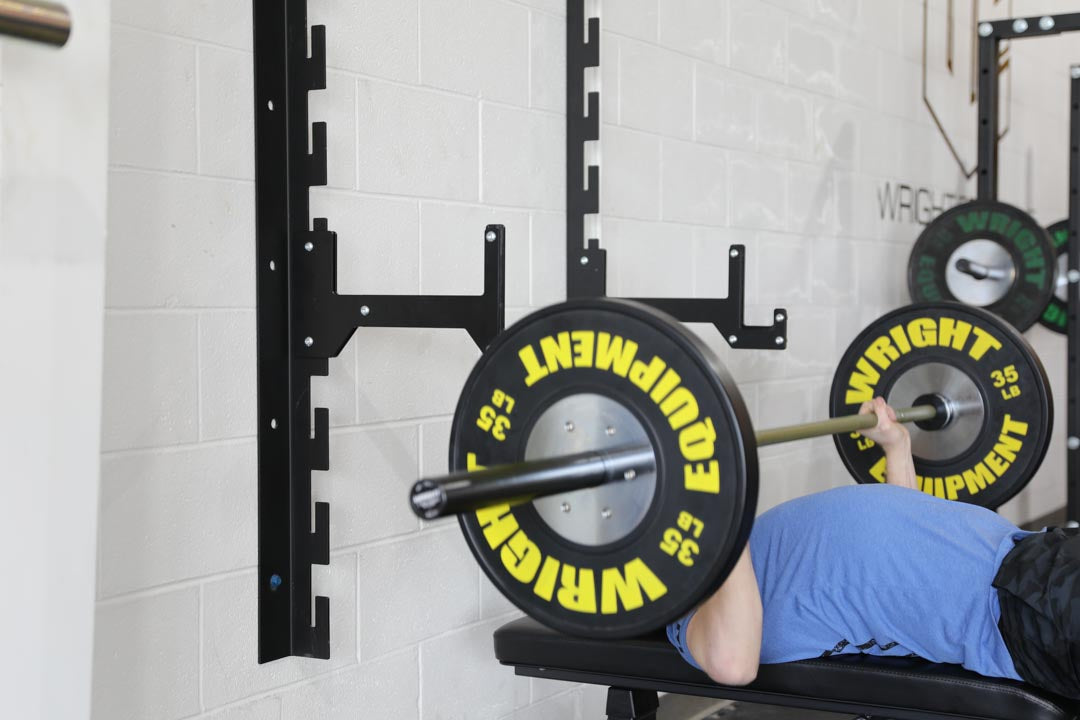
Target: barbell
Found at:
463, 491
604, 467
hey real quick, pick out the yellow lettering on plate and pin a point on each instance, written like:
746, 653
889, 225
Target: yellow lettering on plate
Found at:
498, 523
583, 342
558, 353
521, 557
983, 341
578, 590
616, 588
861, 383
614, 353
702, 478
534, 371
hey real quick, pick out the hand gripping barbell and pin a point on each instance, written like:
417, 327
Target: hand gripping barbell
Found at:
605, 467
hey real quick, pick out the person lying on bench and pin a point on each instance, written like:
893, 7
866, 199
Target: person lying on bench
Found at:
888, 570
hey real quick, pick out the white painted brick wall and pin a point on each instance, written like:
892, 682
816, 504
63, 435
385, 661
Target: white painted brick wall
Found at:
189, 511
151, 380
771, 123
418, 587
152, 97
262, 709
388, 687
416, 142
177, 240
373, 465
226, 126
146, 657
229, 671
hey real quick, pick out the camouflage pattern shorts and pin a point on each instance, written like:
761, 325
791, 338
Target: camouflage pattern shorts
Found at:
1039, 589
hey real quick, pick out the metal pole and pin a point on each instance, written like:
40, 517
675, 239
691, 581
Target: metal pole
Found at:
840, 425
42, 22
520, 482
586, 263
988, 113
1072, 322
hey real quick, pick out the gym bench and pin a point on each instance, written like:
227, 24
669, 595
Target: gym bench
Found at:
896, 688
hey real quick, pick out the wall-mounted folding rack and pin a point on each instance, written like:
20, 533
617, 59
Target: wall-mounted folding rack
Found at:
586, 262
302, 322
991, 35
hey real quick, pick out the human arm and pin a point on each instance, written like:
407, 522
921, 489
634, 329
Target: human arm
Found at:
724, 635
894, 439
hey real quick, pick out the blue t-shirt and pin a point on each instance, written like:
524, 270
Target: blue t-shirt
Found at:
881, 570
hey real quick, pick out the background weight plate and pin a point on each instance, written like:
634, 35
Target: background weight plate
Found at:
1056, 312
1007, 240
990, 363
688, 540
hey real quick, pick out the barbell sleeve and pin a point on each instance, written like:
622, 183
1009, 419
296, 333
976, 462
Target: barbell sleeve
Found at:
472, 489
43, 22
522, 481
981, 272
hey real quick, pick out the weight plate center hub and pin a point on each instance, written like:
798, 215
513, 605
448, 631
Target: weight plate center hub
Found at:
963, 405
980, 272
580, 423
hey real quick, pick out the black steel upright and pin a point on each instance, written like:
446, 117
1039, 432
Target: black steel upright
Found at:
288, 544
989, 105
1072, 324
991, 34
302, 321
586, 261
586, 264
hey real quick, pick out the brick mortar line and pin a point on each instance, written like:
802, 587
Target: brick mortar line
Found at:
475, 205
115, 24
445, 527
275, 692
740, 71
335, 430
402, 423
858, 166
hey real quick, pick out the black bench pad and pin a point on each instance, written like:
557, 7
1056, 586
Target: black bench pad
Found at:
898, 688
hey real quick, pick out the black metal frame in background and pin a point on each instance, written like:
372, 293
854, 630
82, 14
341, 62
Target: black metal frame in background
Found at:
1072, 323
587, 275
991, 34
302, 322
586, 262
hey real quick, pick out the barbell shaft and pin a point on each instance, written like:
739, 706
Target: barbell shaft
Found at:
519, 482
839, 425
